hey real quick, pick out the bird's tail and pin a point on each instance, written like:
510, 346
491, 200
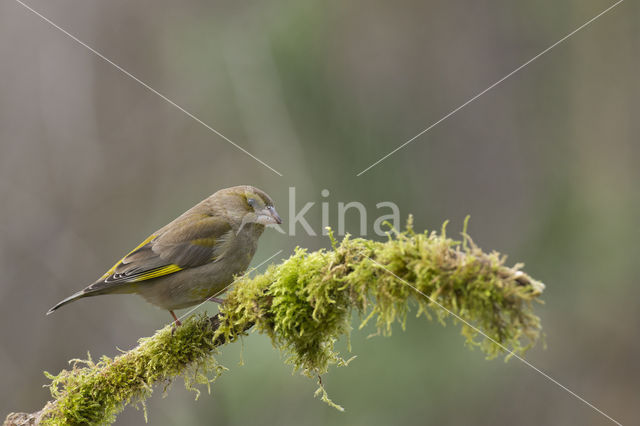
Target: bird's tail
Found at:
76, 296
96, 289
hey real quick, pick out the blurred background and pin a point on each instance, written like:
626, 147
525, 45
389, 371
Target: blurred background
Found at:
546, 164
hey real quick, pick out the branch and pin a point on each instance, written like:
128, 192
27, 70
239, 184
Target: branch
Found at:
304, 305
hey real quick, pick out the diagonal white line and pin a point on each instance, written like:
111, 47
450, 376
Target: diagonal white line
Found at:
491, 87
145, 85
234, 281
510, 352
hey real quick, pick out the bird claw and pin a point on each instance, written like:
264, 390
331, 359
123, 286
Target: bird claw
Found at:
176, 322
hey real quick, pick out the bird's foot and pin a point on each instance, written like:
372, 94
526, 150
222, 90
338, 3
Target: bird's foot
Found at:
176, 322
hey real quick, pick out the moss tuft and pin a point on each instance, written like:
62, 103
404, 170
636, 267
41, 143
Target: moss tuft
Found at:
94, 392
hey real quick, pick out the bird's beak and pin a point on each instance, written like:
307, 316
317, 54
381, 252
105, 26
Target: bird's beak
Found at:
268, 216
274, 214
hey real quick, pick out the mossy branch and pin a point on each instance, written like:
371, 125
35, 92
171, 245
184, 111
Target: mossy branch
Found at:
304, 305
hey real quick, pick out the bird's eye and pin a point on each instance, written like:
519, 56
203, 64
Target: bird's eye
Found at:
251, 202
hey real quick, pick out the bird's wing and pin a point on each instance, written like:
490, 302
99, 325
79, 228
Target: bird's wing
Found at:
187, 243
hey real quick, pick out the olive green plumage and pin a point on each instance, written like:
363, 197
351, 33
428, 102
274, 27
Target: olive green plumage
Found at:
195, 256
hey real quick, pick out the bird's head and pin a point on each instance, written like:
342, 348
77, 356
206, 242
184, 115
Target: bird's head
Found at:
247, 204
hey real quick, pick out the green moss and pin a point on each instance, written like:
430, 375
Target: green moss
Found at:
94, 392
305, 305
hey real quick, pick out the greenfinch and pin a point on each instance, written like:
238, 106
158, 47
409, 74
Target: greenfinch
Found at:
196, 256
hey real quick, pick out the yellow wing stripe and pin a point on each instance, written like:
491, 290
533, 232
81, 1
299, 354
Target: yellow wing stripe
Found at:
165, 270
113, 268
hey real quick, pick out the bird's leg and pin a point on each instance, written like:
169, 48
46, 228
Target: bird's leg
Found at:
215, 299
176, 321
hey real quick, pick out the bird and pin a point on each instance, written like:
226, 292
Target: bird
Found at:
194, 257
